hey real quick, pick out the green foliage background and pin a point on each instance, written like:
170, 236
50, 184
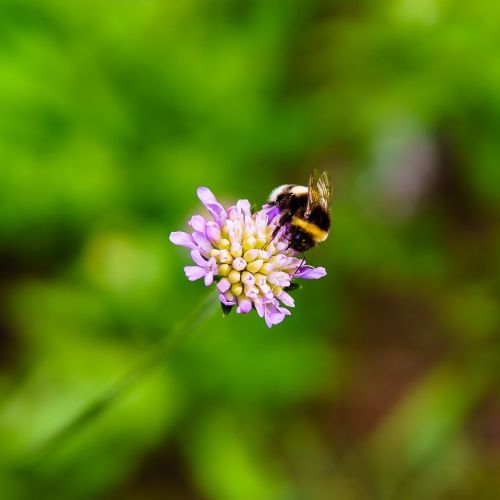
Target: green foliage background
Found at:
384, 383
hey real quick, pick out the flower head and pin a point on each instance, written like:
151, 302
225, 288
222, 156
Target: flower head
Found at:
236, 250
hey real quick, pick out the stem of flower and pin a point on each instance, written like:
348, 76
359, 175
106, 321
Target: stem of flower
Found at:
151, 359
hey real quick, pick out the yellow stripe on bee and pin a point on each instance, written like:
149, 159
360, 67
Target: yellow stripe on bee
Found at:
317, 234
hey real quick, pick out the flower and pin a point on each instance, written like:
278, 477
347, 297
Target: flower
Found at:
236, 250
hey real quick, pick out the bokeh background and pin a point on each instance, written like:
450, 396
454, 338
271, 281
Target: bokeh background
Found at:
384, 383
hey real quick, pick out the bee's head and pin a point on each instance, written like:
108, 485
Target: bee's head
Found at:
301, 241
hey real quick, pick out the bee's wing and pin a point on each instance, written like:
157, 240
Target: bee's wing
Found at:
319, 191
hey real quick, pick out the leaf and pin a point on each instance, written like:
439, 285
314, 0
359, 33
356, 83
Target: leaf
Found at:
253, 208
225, 309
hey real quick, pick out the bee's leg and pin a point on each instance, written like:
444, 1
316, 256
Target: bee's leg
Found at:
285, 218
300, 266
276, 231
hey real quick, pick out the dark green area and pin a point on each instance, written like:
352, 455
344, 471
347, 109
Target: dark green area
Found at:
385, 381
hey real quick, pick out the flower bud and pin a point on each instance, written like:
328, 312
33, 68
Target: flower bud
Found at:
239, 264
213, 232
224, 244
259, 279
249, 243
251, 255
236, 250
281, 246
261, 242
247, 278
252, 292
223, 285
266, 268
224, 269
244, 306
234, 276
254, 266
225, 257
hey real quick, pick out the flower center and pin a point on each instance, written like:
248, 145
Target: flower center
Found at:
249, 263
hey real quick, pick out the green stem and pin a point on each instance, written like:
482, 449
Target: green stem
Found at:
155, 355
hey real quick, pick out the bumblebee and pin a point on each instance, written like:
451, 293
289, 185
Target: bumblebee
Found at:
306, 211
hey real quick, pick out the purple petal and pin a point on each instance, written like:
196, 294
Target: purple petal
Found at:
239, 264
212, 266
206, 196
244, 207
226, 302
224, 285
281, 246
286, 312
252, 292
286, 299
209, 278
213, 231
310, 273
198, 223
273, 316
248, 279
232, 212
194, 272
244, 306
182, 239
259, 307
272, 211
202, 242
213, 206
198, 259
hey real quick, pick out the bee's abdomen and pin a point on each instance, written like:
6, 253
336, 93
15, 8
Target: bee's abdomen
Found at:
310, 228
320, 218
